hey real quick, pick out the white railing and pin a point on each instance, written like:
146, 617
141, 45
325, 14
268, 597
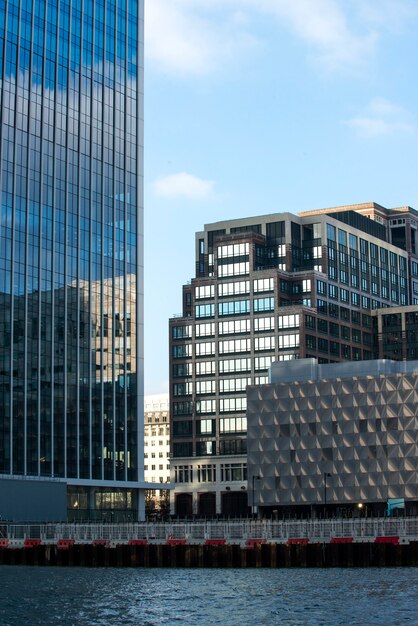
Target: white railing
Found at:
233, 531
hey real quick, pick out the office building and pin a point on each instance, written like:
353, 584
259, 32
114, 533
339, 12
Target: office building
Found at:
273, 288
71, 275
334, 439
157, 454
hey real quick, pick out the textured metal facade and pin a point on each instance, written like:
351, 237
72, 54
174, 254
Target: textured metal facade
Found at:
334, 433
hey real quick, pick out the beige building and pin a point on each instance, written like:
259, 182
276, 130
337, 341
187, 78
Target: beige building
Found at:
156, 446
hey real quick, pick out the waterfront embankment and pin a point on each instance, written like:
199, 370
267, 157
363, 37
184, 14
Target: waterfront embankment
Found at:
220, 556
248, 543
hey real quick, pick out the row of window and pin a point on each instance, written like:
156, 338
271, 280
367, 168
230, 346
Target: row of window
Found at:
234, 346
206, 292
234, 327
230, 472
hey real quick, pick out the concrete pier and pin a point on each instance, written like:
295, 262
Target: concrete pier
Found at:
267, 555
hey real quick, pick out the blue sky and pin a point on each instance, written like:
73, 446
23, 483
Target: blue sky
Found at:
264, 106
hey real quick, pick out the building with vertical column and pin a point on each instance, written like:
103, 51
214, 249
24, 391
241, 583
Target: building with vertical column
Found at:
273, 288
71, 261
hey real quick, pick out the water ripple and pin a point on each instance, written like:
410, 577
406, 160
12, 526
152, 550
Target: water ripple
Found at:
187, 597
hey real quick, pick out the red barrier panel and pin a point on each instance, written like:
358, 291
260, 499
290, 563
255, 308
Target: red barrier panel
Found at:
341, 540
298, 541
4, 543
31, 543
137, 542
394, 539
101, 542
65, 544
176, 542
215, 542
251, 543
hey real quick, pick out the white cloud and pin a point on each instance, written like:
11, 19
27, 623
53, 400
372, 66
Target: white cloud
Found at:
183, 185
382, 117
196, 37
390, 15
185, 38
324, 26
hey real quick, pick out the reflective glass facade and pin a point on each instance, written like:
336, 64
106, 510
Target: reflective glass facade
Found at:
71, 280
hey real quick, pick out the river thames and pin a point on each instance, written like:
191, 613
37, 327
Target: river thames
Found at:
225, 597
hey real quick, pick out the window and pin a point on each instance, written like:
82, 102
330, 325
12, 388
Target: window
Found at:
310, 342
206, 473
237, 249
288, 341
263, 362
181, 332
230, 385
345, 333
180, 429
234, 327
264, 343
234, 345
321, 287
233, 269
204, 427
237, 307
233, 472
204, 310
181, 370
229, 405
288, 321
204, 292
333, 292
233, 289
205, 406
205, 386
262, 324
183, 473
182, 408
205, 448
263, 304
205, 368
310, 322
263, 284
322, 345
344, 295
331, 232
182, 389
182, 351
234, 365
204, 349
205, 330
233, 424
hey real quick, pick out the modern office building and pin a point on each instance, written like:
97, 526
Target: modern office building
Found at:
157, 453
71, 269
396, 333
331, 438
273, 288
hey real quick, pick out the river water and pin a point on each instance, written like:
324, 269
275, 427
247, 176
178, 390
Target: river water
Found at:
151, 597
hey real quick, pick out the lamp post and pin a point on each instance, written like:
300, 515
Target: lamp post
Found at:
326, 475
253, 506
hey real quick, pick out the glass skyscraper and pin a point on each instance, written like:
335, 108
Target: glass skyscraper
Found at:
71, 231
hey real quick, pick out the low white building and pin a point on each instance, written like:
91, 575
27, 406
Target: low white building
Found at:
156, 446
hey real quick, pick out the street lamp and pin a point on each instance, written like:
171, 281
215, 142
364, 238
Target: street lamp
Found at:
254, 479
326, 475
